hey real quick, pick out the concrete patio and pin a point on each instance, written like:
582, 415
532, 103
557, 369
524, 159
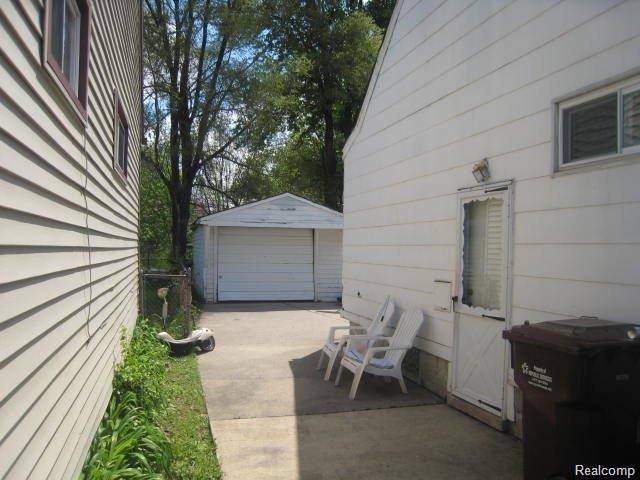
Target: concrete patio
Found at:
274, 417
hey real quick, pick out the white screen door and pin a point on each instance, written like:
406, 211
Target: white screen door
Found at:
481, 305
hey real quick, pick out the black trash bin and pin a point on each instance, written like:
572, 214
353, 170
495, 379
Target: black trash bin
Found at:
580, 381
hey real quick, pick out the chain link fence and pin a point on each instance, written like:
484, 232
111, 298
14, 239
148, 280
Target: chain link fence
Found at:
166, 300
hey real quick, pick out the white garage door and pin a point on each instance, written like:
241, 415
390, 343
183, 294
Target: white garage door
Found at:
265, 264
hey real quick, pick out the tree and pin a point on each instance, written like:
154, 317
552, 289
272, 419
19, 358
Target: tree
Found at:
155, 217
380, 11
326, 50
201, 56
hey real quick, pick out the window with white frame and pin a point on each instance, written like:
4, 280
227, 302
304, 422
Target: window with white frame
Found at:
600, 125
67, 40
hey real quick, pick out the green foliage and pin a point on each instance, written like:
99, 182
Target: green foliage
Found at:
176, 326
296, 168
326, 50
155, 218
193, 450
127, 445
142, 369
156, 424
380, 11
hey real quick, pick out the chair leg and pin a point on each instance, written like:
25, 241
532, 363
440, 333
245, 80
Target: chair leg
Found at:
356, 382
339, 375
332, 361
403, 386
319, 366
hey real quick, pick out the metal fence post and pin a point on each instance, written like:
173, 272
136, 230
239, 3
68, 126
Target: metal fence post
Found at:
142, 305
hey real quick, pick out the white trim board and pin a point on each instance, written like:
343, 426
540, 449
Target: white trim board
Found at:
300, 213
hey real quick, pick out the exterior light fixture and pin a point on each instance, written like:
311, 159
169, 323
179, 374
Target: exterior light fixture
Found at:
481, 171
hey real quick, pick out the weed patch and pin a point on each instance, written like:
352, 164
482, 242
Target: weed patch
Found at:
156, 424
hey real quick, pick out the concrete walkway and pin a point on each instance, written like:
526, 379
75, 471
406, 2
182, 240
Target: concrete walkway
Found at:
274, 417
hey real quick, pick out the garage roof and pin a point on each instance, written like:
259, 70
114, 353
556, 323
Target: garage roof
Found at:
282, 211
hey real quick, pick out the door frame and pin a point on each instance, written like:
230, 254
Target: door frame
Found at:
507, 411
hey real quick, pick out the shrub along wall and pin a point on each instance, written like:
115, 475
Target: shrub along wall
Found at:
129, 443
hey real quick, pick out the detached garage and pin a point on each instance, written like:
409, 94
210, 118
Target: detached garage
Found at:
281, 248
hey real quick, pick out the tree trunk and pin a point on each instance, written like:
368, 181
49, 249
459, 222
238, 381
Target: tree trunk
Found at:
180, 214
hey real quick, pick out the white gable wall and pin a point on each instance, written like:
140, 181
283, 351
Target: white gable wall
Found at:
463, 80
282, 211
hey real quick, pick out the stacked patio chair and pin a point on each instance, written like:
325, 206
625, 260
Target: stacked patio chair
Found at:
333, 347
381, 361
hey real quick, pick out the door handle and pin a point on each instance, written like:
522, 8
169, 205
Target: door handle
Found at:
492, 317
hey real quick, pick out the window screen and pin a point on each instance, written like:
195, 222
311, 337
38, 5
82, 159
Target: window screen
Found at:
122, 146
65, 39
483, 253
591, 129
631, 119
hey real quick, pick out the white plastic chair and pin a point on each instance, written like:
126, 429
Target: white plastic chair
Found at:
389, 365
333, 347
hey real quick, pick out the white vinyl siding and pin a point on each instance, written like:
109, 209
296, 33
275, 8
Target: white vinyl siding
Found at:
68, 255
329, 265
458, 81
265, 264
197, 270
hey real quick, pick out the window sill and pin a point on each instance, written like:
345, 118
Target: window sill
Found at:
597, 164
120, 176
63, 86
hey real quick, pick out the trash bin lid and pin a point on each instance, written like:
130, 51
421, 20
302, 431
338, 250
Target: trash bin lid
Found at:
576, 334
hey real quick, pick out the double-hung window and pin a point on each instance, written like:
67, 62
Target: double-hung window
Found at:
599, 126
67, 49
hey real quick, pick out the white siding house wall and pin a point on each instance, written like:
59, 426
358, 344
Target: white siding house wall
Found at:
68, 239
458, 81
198, 261
329, 265
210, 262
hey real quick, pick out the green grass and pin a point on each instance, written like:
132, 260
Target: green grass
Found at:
185, 421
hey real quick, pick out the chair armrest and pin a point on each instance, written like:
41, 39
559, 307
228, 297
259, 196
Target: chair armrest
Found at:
332, 332
348, 338
373, 350
367, 337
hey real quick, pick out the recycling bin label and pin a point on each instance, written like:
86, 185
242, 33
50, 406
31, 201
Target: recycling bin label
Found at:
537, 376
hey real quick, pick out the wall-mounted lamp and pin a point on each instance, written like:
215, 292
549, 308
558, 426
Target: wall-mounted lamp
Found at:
481, 171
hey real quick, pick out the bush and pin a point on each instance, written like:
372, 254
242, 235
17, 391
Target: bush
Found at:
127, 444
142, 370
